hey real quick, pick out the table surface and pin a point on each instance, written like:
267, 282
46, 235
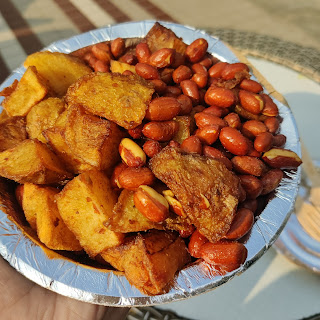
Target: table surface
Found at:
274, 287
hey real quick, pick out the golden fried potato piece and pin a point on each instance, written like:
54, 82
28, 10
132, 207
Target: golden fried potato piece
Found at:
93, 139
206, 189
119, 98
12, 132
31, 89
160, 37
85, 203
184, 131
150, 260
42, 213
43, 116
127, 218
60, 69
120, 67
32, 161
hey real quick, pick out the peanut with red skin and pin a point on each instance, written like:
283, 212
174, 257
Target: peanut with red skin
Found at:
197, 240
131, 178
196, 51
192, 144
143, 52
234, 141
160, 130
241, 224
220, 97
117, 47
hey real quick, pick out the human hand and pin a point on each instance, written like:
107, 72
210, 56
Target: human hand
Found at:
22, 299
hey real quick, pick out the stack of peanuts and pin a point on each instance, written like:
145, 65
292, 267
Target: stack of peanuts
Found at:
232, 121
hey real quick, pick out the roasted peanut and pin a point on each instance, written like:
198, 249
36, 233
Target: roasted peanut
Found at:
197, 240
230, 255
248, 165
179, 59
199, 68
197, 50
160, 131
163, 108
281, 158
216, 154
181, 73
147, 71
263, 141
151, 148
117, 47
216, 111
251, 204
151, 204
220, 97
252, 185
131, 153
272, 124
131, 178
207, 61
250, 101
187, 231
270, 108
166, 75
271, 180
251, 85
252, 128
186, 104
231, 70
200, 79
279, 140
234, 141
172, 91
102, 52
174, 205
233, 120
208, 134
136, 133
162, 58
206, 119
128, 58
192, 144
159, 86
143, 52
241, 224
101, 66
115, 174
191, 90
216, 70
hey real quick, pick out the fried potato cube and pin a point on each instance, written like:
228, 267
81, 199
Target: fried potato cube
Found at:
206, 189
93, 139
31, 89
85, 203
127, 218
42, 213
60, 69
160, 37
43, 116
12, 132
120, 67
184, 130
150, 261
118, 98
32, 161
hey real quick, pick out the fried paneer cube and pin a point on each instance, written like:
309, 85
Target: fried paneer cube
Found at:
118, 98
31, 89
32, 161
43, 116
127, 218
160, 37
12, 132
206, 189
41, 212
85, 203
60, 69
150, 260
93, 139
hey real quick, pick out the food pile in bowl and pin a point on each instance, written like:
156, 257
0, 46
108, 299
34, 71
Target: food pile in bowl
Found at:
144, 155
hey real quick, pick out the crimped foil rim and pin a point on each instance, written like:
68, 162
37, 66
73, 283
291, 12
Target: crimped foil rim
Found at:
112, 289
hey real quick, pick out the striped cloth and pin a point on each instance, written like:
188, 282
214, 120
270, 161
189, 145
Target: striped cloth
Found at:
28, 26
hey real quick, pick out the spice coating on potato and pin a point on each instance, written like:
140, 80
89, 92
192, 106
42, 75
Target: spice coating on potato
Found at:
119, 98
206, 189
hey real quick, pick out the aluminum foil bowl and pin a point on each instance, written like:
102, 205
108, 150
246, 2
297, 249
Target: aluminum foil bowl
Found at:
79, 281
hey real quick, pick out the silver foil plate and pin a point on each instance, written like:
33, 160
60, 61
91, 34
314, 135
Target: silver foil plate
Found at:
112, 289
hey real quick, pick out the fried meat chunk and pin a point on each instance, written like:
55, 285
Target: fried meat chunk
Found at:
206, 189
